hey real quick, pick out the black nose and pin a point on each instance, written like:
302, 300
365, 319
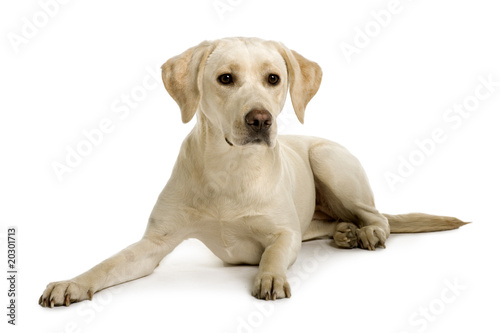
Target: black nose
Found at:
259, 120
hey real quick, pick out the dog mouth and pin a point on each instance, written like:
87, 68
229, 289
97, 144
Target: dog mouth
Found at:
251, 140
257, 141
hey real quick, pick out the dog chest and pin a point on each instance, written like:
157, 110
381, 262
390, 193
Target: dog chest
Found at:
233, 241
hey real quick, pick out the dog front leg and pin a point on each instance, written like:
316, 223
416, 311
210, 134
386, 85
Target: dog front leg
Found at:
133, 262
271, 283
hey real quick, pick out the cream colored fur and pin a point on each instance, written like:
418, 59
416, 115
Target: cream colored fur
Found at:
251, 202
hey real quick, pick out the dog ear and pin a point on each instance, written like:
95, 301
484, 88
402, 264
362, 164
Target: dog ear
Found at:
182, 78
304, 77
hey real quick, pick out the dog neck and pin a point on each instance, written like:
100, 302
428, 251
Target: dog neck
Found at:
207, 147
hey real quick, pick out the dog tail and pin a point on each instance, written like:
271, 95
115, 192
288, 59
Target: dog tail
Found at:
419, 222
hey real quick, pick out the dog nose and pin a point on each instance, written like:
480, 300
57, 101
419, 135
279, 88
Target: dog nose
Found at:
259, 120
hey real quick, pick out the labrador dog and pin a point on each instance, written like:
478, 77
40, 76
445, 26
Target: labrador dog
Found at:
251, 196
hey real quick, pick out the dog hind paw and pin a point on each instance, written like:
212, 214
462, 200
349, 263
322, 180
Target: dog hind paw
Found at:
346, 235
370, 237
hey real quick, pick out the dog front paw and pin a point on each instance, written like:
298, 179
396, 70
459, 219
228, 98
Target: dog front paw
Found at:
271, 287
65, 293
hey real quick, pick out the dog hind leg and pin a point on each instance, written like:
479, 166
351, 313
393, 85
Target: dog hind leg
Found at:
343, 190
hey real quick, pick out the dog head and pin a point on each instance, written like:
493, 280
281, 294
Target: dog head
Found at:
239, 86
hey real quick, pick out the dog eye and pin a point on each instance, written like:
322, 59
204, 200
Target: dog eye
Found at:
273, 79
226, 79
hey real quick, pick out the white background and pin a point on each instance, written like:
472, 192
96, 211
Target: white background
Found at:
66, 78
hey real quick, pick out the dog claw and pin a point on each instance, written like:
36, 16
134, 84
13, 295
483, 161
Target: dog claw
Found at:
288, 292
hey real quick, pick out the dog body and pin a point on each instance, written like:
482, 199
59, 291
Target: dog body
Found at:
250, 195
239, 209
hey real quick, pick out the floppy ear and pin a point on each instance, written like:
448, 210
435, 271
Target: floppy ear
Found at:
182, 78
304, 77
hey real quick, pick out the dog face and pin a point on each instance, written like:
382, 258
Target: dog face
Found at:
239, 86
244, 89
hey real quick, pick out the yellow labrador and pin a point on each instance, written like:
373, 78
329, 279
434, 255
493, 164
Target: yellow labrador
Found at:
252, 197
